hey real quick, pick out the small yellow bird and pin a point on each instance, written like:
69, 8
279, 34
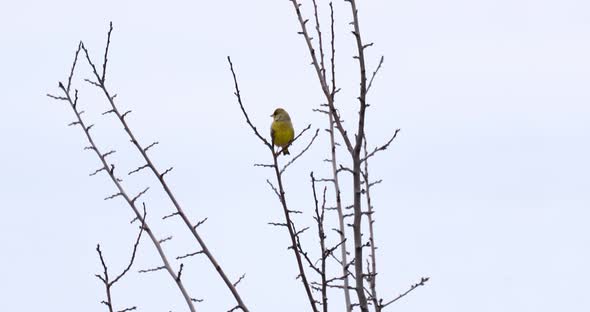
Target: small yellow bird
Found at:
281, 129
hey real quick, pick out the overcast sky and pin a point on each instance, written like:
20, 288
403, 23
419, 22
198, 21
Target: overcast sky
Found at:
486, 188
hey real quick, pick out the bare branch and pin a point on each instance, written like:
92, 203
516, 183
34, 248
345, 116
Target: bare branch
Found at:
179, 272
113, 196
234, 309
321, 45
301, 231
137, 169
106, 52
153, 270
73, 67
375, 73
140, 193
380, 148
372, 270
189, 255
356, 160
105, 279
110, 111
141, 228
163, 240
277, 224
164, 185
97, 171
149, 146
108, 153
117, 182
264, 165
342, 168
166, 171
375, 183
329, 94
125, 115
237, 94
96, 84
200, 222
239, 280
300, 153
281, 150
319, 217
170, 215
293, 234
423, 280
55, 97
274, 188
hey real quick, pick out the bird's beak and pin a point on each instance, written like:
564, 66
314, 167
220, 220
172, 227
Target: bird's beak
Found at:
272, 115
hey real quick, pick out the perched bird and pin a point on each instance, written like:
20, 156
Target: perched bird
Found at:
281, 129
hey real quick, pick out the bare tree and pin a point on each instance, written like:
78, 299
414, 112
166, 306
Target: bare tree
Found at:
357, 275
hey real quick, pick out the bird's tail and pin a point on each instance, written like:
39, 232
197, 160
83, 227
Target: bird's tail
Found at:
285, 151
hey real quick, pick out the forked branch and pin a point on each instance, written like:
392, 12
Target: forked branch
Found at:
105, 278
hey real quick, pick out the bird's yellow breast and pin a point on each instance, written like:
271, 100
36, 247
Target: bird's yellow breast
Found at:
282, 132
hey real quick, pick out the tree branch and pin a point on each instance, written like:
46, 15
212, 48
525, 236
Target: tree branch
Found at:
121, 192
160, 176
423, 280
280, 192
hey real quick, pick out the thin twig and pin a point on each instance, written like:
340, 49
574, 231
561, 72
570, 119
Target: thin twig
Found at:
423, 280
375, 73
318, 30
300, 153
237, 94
141, 229
380, 148
189, 255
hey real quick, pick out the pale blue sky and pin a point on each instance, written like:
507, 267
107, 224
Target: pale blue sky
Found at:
486, 189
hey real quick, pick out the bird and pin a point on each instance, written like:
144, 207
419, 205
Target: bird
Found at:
281, 129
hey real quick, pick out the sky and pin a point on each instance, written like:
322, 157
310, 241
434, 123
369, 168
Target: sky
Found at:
485, 189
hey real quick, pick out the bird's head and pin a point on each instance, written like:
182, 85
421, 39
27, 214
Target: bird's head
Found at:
280, 115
